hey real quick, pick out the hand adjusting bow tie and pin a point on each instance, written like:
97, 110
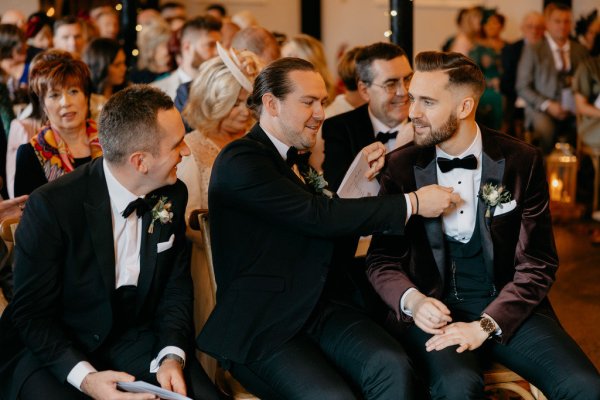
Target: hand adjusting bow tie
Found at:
385, 137
293, 157
469, 162
140, 206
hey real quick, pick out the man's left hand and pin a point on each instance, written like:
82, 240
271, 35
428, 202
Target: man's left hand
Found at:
170, 377
468, 336
375, 156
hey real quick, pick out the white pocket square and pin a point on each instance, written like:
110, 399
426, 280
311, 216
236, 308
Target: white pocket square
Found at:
504, 208
160, 247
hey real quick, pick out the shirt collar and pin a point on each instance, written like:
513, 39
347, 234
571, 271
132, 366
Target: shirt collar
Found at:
554, 46
183, 77
281, 147
379, 126
475, 148
120, 197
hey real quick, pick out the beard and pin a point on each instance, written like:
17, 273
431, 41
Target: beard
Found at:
439, 135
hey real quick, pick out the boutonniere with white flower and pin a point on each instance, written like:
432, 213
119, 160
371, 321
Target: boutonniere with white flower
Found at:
493, 195
318, 182
161, 212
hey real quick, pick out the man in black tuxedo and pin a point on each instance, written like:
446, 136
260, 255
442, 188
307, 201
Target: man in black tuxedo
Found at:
483, 270
274, 326
103, 291
383, 74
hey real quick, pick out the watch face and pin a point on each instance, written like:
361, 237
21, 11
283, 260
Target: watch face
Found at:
487, 325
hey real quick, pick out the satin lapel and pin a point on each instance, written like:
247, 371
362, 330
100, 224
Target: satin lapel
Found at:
148, 254
425, 171
492, 171
99, 220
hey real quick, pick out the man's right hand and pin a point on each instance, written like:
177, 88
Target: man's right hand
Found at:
103, 385
429, 314
556, 110
434, 200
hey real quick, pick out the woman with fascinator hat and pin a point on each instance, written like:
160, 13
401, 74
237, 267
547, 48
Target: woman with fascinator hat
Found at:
217, 111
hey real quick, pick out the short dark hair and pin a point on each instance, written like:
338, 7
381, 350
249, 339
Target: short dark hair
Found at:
67, 20
217, 7
461, 70
200, 23
129, 122
99, 55
553, 6
274, 79
375, 51
11, 39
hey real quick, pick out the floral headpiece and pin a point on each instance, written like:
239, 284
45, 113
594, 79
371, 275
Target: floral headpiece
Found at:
244, 65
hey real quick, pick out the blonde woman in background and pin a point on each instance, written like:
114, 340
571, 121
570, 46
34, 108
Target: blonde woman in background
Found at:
217, 111
154, 61
310, 49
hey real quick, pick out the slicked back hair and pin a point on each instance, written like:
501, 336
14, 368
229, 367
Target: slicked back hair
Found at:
371, 53
129, 122
461, 70
275, 79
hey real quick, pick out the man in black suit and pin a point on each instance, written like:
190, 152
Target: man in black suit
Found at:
103, 291
274, 326
532, 28
383, 73
483, 269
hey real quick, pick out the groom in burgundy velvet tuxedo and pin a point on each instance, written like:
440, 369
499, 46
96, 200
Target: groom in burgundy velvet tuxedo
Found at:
482, 270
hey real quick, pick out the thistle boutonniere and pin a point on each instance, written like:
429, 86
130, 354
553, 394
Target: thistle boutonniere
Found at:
318, 182
161, 212
493, 195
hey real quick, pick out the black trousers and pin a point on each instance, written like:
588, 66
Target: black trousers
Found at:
131, 354
341, 354
540, 351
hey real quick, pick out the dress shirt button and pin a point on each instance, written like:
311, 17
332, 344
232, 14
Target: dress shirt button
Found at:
459, 182
96, 337
462, 212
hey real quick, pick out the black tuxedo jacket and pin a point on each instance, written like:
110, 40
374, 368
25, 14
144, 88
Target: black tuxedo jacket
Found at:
65, 275
518, 246
272, 246
345, 135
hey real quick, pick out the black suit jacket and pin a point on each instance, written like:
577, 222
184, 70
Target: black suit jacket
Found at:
511, 54
345, 135
65, 276
518, 246
272, 246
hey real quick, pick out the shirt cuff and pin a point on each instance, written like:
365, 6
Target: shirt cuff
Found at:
544, 105
408, 208
155, 364
404, 310
498, 330
79, 372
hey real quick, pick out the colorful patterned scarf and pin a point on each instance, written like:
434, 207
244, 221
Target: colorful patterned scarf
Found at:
54, 154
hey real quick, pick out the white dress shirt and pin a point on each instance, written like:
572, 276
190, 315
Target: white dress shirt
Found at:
127, 238
170, 83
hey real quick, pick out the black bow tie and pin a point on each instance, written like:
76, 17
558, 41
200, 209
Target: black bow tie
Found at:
469, 162
385, 137
139, 205
293, 157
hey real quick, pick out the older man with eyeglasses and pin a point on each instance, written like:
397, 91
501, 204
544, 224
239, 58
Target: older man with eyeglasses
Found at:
383, 75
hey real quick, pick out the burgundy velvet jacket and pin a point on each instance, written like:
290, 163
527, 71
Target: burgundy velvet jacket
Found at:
518, 246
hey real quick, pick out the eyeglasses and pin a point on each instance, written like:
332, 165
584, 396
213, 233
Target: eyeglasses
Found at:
392, 87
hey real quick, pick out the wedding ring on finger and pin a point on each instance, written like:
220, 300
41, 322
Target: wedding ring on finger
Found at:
21, 206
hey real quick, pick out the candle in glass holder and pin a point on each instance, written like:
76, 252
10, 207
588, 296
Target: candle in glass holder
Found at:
556, 188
